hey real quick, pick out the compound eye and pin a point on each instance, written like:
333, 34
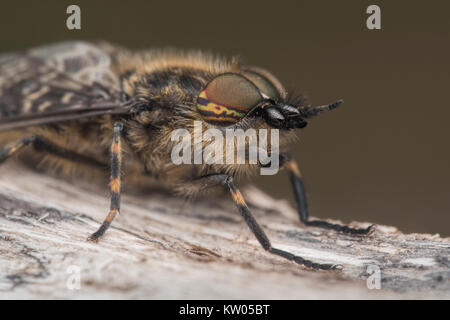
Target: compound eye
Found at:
227, 99
266, 82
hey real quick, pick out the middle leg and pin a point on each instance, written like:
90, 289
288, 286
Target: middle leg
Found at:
227, 181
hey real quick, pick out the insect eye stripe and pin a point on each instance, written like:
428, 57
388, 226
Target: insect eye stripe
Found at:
220, 117
216, 112
218, 109
220, 113
205, 101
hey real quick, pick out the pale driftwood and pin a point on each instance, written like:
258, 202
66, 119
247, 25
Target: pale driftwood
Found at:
161, 247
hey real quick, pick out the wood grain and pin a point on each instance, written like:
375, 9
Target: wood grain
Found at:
162, 247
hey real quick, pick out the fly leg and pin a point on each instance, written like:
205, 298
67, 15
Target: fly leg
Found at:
238, 199
302, 204
41, 144
8, 152
116, 163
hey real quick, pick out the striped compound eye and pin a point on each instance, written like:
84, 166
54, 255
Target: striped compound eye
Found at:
227, 99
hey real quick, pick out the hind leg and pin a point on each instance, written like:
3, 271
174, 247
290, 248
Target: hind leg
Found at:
41, 144
15, 148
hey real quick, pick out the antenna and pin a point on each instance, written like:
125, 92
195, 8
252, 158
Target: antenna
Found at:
312, 111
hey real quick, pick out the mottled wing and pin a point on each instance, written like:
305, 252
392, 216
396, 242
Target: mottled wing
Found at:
54, 83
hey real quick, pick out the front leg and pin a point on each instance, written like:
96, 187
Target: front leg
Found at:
116, 163
289, 163
227, 181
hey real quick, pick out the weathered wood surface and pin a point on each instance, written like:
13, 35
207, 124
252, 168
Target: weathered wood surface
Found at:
162, 247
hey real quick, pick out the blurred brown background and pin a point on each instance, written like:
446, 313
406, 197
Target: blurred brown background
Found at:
382, 157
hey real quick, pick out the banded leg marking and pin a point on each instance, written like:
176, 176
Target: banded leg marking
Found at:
116, 163
238, 199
